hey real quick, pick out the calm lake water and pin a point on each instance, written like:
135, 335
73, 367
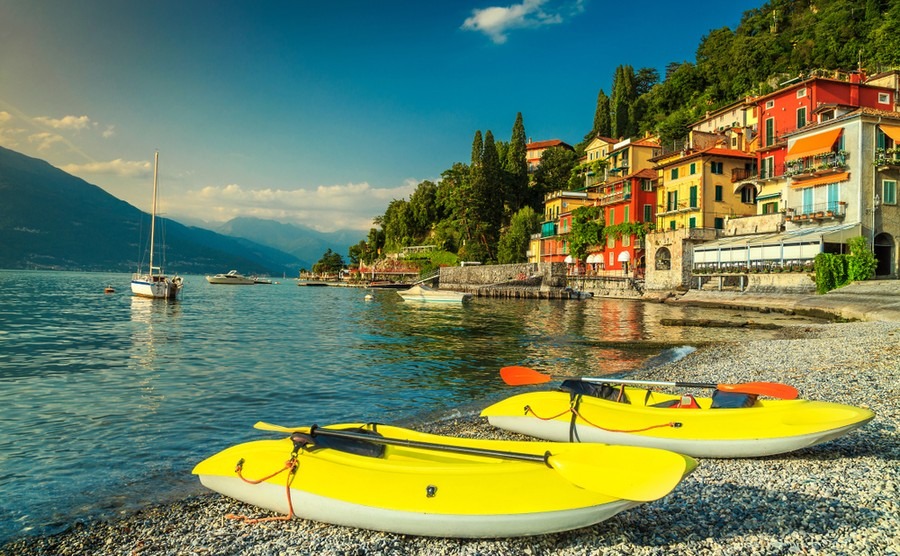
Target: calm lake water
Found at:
107, 400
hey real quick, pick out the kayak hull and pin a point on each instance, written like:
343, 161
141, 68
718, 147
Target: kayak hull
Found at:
426, 492
767, 428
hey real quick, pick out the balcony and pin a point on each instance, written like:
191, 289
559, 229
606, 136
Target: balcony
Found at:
886, 159
813, 166
683, 206
743, 174
816, 213
612, 198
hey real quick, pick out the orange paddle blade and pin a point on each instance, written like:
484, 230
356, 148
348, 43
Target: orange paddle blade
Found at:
520, 376
771, 389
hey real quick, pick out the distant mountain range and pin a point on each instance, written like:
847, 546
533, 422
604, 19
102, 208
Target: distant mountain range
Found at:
52, 220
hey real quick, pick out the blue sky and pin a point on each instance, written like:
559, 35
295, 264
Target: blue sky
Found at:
314, 113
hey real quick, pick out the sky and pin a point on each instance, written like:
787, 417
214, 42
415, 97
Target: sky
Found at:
312, 113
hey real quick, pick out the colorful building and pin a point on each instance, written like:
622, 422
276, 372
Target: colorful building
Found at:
534, 151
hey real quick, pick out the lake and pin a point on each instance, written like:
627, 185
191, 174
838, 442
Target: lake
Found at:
107, 400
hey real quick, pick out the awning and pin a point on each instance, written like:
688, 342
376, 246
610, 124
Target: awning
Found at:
569, 259
824, 180
624, 257
594, 258
892, 131
814, 144
802, 243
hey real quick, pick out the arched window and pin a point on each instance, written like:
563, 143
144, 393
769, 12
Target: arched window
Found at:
663, 259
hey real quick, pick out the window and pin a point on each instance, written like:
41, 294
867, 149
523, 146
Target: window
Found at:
719, 223
627, 216
748, 194
770, 104
693, 196
648, 213
768, 168
612, 260
674, 174
883, 141
770, 132
716, 168
626, 240
832, 195
646, 184
807, 200
884, 98
671, 200
889, 192
664, 257
718, 193
693, 168
801, 117
612, 217
671, 224
692, 222
770, 208
801, 92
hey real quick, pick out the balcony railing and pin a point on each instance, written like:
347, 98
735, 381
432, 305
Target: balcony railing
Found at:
611, 198
816, 212
887, 157
742, 174
817, 165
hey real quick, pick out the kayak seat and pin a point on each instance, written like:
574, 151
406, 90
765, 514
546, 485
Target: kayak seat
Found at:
667, 403
595, 390
731, 400
352, 445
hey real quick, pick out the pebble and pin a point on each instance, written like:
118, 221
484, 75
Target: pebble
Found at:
836, 498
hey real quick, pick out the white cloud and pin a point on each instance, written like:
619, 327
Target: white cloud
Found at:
45, 140
326, 208
496, 22
117, 167
110, 131
66, 122
5, 117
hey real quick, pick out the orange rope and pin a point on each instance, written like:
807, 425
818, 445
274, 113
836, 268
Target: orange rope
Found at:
583, 418
291, 466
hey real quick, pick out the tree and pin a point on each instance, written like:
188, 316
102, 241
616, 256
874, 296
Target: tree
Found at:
515, 168
587, 230
514, 243
602, 118
329, 263
553, 173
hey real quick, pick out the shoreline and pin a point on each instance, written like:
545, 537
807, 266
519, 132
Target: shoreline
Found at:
840, 497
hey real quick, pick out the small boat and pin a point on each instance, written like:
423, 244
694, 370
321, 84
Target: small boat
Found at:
393, 479
261, 280
154, 283
423, 293
726, 425
109, 289
232, 277
387, 285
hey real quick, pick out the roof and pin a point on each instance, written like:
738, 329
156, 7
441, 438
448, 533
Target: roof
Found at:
547, 144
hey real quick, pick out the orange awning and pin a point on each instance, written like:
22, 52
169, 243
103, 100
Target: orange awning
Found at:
892, 131
824, 180
813, 145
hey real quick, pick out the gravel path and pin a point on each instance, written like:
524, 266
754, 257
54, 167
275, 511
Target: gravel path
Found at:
837, 498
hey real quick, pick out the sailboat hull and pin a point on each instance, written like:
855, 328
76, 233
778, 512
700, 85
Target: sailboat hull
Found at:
156, 287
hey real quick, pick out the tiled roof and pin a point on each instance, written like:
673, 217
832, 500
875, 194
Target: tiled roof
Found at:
546, 144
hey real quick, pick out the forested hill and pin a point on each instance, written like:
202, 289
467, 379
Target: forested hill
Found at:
780, 40
52, 220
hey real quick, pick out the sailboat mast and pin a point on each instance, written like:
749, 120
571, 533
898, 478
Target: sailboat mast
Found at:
153, 209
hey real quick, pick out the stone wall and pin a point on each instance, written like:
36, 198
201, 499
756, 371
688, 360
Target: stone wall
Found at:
471, 278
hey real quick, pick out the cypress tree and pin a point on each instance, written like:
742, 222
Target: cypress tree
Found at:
515, 167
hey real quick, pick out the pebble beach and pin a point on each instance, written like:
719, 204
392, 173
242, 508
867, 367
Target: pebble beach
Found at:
841, 497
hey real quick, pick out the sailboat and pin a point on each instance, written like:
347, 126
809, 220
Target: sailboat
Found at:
154, 283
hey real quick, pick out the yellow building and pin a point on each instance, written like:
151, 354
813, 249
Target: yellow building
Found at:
699, 188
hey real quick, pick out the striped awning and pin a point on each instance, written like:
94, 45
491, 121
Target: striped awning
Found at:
824, 180
812, 145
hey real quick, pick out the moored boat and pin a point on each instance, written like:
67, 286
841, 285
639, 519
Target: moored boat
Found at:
726, 425
393, 479
154, 283
231, 277
423, 293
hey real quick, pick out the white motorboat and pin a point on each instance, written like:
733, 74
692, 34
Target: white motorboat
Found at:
423, 293
231, 277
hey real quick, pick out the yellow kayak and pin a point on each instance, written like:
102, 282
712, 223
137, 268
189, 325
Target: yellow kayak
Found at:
398, 480
727, 425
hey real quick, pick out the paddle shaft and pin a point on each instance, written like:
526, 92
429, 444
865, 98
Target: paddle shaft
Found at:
431, 446
651, 382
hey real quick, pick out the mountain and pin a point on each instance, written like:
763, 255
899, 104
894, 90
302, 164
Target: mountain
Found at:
303, 242
52, 220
